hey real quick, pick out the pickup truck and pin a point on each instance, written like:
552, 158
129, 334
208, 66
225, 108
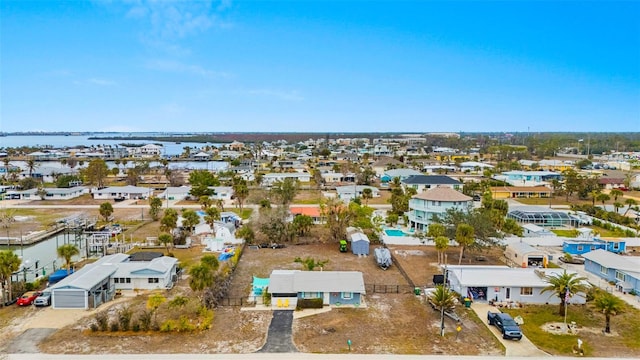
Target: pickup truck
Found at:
507, 326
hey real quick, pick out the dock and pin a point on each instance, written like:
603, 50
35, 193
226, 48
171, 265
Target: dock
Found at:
32, 238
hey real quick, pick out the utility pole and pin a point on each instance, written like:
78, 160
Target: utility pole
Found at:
444, 293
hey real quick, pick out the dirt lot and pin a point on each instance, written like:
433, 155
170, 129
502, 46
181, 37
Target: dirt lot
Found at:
390, 322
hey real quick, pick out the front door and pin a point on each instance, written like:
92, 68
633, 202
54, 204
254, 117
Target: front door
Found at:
508, 295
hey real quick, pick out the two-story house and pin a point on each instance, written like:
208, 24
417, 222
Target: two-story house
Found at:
435, 202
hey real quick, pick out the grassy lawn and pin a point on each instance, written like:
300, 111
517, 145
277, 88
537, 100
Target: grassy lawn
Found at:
622, 342
245, 214
565, 233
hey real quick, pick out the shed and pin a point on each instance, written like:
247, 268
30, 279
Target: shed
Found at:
359, 244
524, 255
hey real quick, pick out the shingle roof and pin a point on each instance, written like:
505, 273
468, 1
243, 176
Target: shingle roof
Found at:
442, 193
431, 180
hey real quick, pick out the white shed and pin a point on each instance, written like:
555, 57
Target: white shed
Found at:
524, 255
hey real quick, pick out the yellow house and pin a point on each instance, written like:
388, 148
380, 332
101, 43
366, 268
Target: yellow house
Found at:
505, 192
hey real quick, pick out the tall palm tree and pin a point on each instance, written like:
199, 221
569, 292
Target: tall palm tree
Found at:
442, 243
67, 251
9, 264
609, 305
616, 193
630, 203
31, 165
367, 194
563, 284
465, 237
211, 215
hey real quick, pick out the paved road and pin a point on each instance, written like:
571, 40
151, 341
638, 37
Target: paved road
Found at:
524, 347
279, 339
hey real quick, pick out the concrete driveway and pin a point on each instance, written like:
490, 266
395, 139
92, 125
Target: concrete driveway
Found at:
521, 348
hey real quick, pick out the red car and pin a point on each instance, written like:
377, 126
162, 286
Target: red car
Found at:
28, 298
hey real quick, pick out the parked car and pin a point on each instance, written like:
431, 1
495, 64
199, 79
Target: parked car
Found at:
28, 298
575, 259
44, 299
505, 323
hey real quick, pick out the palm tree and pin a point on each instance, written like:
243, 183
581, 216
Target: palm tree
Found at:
630, 203
603, 198
616, 193
617, 206
9, 264
201, 277
442, 298
465, 237
609, 305
442, 243
31, 165
67, 251
165, 239
563, 285
211, 215
367, 194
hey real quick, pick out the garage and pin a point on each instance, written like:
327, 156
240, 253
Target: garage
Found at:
521, 254
69, 299
87, 288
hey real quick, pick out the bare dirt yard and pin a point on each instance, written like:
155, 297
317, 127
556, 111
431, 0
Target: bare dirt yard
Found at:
392, 321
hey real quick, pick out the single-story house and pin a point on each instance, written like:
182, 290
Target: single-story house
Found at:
504, 284
402, 174
533, 230
175, 192
474, 166
505, 192
159, 273
624, 271
201, 156
127, 192
88, 287
311, 211
271, 178
524, 255
423, 183
359, 243
349, 192
333, 287
528, 178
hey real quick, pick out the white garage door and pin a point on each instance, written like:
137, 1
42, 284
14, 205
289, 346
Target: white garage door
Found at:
69, 299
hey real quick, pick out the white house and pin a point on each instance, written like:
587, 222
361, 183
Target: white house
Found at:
474, 166
127, 192
175, 192
505, 284
435, 202
270, 178
159, 273
349, 192
425, 182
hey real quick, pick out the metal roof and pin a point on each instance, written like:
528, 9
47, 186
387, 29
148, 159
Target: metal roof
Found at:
431, 180
316, 281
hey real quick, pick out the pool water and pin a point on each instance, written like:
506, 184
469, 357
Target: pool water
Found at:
394, 232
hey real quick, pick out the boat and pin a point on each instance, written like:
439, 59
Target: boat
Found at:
383, 257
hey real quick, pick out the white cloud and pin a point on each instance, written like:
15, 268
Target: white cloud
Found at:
292, 95
180, 67
101, 82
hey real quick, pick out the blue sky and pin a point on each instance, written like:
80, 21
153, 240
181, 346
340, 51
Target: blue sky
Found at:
330, 66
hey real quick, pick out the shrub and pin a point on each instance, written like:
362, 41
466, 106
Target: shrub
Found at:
102, 321
168, 326
145, 318
114, 326
135, 326
124, 318
310, 303
184, 324
94, 327
206, 317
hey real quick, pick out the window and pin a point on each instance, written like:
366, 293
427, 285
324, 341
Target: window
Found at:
616, 246
128, 280
619, 276
121, 280
526, 291
580, 247
115, 280
310, 295
347, 295
603, 269
153, 280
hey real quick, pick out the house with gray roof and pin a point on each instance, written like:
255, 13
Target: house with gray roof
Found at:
435, 202
335, 288
504, 284
624, 271
126, 192
425, 182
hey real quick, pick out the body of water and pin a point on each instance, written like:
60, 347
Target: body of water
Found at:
62, 141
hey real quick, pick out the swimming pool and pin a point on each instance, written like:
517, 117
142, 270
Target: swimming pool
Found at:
201, 213
394, 232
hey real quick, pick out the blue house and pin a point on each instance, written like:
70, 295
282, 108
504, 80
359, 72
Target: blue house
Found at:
333, 287
582, 246
624, 271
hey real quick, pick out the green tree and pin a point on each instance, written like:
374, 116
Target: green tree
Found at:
240, 191
201, 277
609, 305
205, 202
153, 303
211, 261
67, 251
169, 220
338, 218
96, 172
442, 298
435, 230
302, 224
200, 181
212, 214
465, 237
310, 263
616, 193
630, 203
155, 205
189, 220
442, 243
392, 218
31, 165
560, 284
246, 232
106, 210
367, 194
603, 198
285, 190
9, 264
165, 239
63, 181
